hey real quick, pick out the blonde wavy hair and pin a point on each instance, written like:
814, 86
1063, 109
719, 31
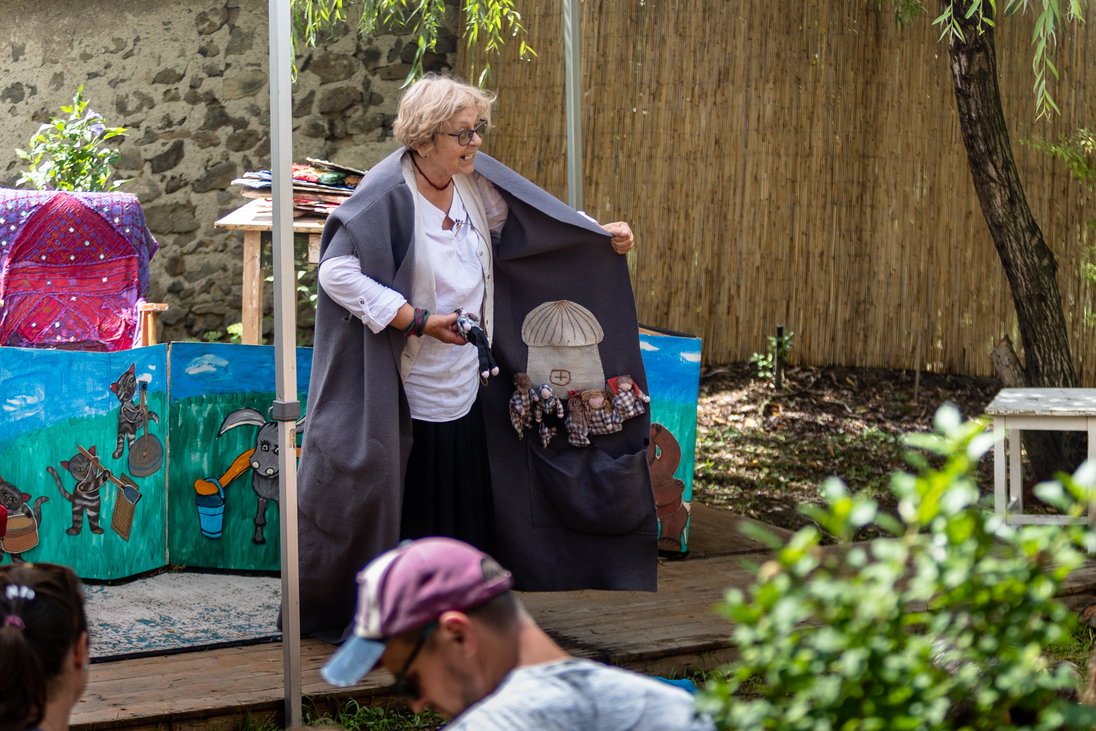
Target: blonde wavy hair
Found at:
426, 107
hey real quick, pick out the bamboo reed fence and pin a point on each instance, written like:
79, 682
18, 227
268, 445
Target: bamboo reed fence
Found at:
801, 164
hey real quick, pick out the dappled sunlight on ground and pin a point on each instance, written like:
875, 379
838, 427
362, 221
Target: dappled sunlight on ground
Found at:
761, 454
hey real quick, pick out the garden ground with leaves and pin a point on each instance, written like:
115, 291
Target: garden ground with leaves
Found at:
762, 454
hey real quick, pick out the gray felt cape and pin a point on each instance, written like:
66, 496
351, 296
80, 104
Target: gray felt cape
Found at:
567, 518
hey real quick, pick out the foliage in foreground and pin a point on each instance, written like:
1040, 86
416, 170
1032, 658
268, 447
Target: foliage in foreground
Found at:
945, 625
68, 154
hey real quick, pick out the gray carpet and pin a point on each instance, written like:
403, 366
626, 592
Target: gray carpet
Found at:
181, 612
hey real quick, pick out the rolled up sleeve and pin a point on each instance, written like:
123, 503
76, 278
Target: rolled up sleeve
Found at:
374, 304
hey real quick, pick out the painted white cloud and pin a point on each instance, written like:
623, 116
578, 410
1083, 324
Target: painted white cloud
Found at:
29, 400
206, 364
644, 345
691, 357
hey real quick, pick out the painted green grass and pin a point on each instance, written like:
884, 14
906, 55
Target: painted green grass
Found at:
23, 463
198, 453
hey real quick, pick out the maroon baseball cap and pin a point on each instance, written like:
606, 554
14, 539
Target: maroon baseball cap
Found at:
407, 588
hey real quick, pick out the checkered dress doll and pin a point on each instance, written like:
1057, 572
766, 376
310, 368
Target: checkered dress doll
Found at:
546, 405
629, 400
603, 418
521, 412
578, 423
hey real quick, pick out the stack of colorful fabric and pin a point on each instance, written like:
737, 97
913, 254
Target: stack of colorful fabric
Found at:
318, 187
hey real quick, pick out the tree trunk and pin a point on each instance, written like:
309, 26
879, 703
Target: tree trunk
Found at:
1008, 366
1028, 262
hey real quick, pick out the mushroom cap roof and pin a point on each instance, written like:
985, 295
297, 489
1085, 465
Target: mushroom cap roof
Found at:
561, 323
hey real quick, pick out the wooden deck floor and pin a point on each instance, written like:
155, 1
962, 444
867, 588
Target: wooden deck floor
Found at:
671, 629
658, 633
205, 690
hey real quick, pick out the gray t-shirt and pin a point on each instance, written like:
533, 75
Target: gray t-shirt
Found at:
574, 695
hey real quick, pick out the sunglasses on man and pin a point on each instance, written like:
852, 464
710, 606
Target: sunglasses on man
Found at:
410, 686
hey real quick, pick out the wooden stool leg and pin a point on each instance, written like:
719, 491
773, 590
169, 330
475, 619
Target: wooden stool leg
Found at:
1000, 495
1015, 481
252, 295
1092, 458
152, 320
148, 335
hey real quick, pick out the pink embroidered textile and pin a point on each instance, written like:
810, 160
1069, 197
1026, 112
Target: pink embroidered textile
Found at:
72, 268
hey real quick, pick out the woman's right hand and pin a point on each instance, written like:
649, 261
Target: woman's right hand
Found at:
444, 328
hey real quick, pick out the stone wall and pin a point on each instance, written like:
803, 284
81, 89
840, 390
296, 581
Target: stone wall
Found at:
189, 81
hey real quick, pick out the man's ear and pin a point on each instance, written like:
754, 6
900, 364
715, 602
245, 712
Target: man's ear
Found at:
457, 628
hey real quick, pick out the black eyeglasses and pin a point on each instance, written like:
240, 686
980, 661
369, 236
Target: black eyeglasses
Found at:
464, 137
404, 685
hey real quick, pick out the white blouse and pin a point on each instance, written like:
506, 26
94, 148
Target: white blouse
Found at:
443, 383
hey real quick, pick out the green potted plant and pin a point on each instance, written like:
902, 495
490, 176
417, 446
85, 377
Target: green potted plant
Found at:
71, 153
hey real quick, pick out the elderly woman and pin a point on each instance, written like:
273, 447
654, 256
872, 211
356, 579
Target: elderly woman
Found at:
43, 646
398, 440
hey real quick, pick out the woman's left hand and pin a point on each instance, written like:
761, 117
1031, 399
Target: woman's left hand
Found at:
623, 239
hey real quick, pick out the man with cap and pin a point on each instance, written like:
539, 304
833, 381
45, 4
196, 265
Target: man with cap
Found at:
440, 616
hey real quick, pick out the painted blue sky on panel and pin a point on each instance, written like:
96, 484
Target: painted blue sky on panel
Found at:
198, 369
39, 388
673, 366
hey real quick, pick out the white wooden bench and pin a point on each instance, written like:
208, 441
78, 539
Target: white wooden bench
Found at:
1046, 409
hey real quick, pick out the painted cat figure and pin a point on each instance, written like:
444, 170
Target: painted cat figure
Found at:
12, 498
85, 497
129, 415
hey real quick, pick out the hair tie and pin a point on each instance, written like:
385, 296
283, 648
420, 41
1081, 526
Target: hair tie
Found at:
19, 592
16, 622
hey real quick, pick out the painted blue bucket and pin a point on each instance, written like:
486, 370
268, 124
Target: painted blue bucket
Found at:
211, 511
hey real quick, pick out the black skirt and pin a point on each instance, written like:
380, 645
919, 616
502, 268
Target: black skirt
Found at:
447, 490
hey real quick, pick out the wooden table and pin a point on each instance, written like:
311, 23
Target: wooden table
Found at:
1044, 409
254, 218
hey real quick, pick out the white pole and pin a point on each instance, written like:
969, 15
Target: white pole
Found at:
572, 54
286, 409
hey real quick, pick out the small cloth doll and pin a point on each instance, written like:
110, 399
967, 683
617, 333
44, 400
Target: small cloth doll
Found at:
472, 332
547, 434
629, 400
578, 425
601, 415
546, 405
521, 411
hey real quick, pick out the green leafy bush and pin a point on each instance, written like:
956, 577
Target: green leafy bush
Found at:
943, 626
765, 363
68, 154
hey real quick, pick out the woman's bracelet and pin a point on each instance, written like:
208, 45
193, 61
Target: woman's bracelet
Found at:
417, 326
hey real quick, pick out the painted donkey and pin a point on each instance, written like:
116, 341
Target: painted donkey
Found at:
262, 459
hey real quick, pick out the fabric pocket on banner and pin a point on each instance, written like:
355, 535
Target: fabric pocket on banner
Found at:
588, 491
